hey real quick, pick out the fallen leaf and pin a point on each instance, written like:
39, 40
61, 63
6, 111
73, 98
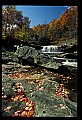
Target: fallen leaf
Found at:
19, 111
24, 99
26, 108
23, 113
8, 108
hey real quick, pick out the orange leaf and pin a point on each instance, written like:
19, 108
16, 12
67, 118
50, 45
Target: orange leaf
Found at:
24, 99
8, 108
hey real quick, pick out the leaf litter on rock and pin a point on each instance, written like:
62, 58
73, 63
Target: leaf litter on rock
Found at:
24, 99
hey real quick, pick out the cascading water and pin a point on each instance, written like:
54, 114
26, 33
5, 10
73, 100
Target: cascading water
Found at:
51, 49
54, 50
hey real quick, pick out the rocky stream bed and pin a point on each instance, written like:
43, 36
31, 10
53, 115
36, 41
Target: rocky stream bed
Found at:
44, 90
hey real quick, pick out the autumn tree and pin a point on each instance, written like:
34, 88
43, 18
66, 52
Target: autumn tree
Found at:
11, 17
61, 29
25, 27
13, 22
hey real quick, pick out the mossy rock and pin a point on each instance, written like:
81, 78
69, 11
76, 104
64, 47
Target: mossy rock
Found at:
45, 105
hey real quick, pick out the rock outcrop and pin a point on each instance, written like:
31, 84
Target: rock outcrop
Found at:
38, 87
9, 57
34, 56
29, 54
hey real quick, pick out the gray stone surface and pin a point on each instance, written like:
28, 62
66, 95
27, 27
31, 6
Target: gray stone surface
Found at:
47, 103
34, 56
8, 56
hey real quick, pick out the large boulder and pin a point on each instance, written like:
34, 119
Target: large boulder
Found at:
34, 56
59, 63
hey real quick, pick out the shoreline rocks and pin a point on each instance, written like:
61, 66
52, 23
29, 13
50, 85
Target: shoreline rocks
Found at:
30, 54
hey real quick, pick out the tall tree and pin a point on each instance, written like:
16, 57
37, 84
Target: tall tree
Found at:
12, 19
26, 23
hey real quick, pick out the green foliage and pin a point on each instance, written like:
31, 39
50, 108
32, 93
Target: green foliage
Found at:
65, 27
11, 17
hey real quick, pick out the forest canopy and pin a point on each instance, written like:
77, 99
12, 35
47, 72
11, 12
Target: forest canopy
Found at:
17, 26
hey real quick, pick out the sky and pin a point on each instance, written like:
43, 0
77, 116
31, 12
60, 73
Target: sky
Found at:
41, 14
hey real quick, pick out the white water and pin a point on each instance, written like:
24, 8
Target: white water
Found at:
58, 49
73, 64
59, 58
51, 49
69, 62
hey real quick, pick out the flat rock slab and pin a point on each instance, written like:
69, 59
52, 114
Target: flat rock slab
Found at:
40, 88
49, 105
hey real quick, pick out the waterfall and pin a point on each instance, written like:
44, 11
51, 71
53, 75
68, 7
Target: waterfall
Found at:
51, 49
